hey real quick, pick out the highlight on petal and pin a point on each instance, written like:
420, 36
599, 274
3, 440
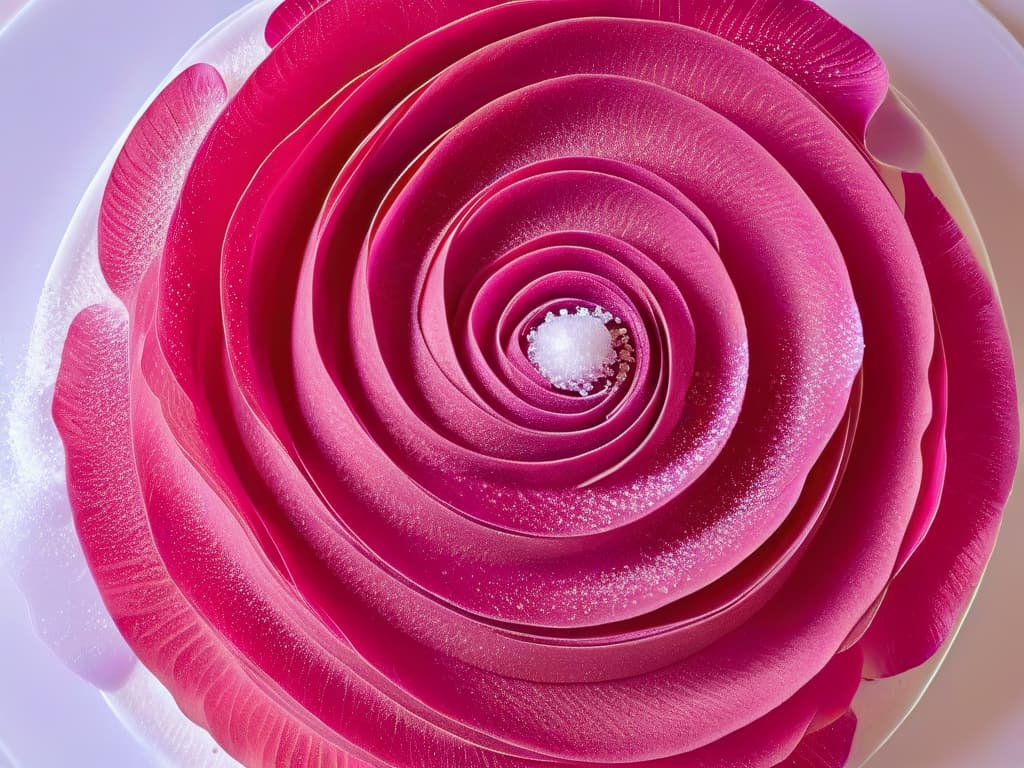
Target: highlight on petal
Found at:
146, 179
836, 67
287, 16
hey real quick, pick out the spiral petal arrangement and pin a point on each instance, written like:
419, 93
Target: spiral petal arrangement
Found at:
333, 503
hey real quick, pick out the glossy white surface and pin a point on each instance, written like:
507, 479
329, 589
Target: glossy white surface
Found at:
963, 71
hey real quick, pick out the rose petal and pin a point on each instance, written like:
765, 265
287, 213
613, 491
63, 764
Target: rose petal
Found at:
147, 177
932, 591
825, 748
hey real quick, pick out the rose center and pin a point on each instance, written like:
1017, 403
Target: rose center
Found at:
581, 351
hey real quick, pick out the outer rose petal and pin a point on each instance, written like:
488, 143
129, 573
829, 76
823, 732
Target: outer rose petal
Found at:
825, 748
287, 16
931, 593
836, 66
210, 682
146, 178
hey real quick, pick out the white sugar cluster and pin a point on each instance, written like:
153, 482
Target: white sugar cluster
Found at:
577, 351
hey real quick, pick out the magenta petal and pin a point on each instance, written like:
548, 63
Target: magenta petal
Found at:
828, 747
287, 16
835, 66
147, 177
928, 597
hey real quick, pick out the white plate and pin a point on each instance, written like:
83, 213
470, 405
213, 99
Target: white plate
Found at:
66, 97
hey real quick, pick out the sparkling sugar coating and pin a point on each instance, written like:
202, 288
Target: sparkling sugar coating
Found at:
577, 351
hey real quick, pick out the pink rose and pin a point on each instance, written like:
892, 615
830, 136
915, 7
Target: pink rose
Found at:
347, 494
